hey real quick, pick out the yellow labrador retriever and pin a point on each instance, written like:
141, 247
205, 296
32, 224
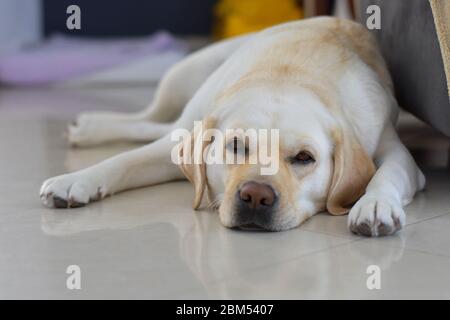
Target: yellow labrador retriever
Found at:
321, 83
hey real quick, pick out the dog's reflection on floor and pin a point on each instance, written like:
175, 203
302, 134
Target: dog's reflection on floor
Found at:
229, 263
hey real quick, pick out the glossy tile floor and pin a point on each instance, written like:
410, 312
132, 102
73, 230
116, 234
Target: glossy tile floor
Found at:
148, 243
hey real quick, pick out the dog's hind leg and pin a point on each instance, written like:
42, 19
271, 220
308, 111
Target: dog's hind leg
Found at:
184, 79
93, 133
174, 91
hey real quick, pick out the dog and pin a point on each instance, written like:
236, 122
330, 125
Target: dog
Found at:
321, 82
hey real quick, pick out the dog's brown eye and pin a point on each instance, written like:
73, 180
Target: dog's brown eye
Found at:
303, 157
237, 146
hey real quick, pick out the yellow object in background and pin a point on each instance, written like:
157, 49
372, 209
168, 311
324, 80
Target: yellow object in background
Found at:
235, 17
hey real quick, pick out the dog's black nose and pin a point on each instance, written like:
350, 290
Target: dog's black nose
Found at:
257, 195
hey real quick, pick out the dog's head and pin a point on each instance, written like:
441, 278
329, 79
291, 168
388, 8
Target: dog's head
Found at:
316, 163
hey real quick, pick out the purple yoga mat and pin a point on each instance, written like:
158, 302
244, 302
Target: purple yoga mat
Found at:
63, 58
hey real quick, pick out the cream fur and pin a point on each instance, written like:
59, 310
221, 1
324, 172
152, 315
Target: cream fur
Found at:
322, 82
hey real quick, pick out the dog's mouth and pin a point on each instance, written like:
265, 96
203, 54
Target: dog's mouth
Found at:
254, 227
251, 227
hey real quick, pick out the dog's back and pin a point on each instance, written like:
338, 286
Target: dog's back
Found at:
326, 42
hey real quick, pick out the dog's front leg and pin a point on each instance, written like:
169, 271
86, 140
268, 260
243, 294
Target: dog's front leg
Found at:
380, 211
145, 166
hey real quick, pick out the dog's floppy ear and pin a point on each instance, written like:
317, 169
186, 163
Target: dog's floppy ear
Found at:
353, 169
192, 163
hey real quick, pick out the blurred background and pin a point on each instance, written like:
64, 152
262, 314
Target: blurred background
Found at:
37, 47
33, 20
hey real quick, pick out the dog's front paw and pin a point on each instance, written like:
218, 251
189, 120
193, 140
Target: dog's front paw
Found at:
71, 191
375, 216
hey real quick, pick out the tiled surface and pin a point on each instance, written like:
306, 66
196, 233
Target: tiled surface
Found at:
340, 273
148, 243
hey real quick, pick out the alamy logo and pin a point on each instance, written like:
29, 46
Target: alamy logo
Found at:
74, 279
374, 280
374, 20
234, 146
74, 20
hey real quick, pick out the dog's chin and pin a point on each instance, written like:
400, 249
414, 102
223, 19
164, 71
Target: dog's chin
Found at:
250, 227
257, 226
230, 219
268, 228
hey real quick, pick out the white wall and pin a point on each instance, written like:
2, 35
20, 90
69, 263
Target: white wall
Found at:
20, 24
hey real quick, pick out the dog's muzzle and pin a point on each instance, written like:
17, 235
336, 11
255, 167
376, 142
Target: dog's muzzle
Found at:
255, 205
